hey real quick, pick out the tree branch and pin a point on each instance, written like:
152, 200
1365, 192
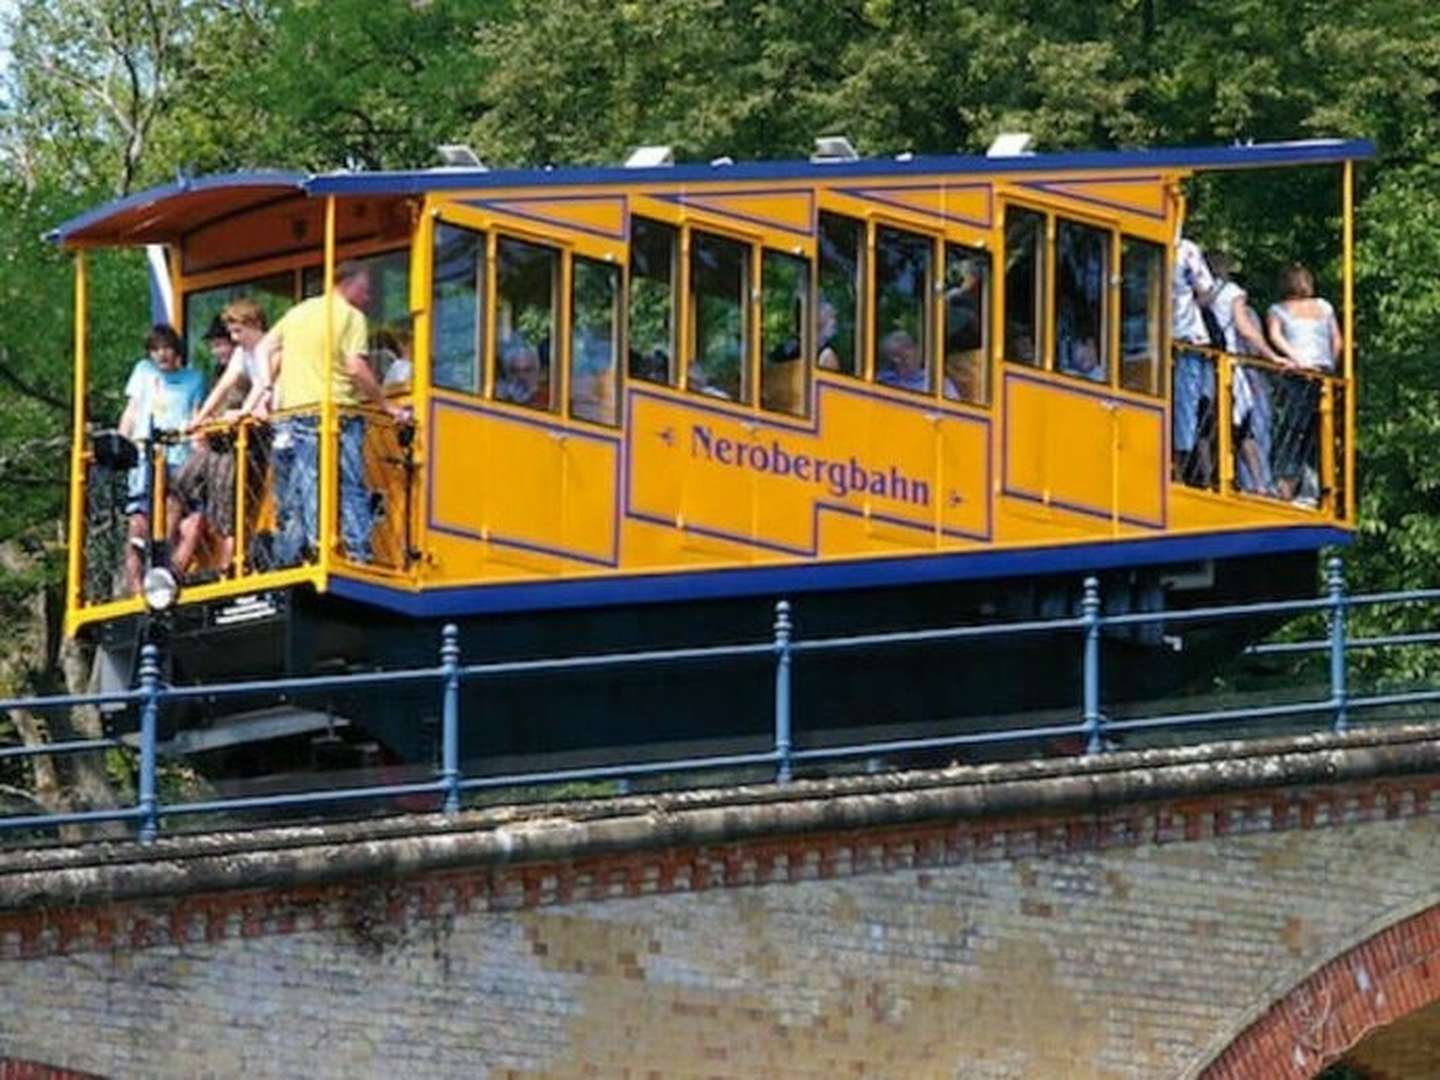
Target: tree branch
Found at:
35, 393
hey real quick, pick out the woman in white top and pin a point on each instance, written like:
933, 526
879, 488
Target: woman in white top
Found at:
208, 489
1302, 325
1249, 392
1304, 331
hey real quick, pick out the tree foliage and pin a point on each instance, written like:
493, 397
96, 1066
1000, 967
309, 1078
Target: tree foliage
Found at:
102, 96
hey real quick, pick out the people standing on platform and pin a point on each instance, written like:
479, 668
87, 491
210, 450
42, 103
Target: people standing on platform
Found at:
294, 364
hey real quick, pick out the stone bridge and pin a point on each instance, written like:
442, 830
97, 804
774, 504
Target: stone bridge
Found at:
1232, 910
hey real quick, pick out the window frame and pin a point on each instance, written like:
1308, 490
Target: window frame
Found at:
973, 248
557, 319
618, 339
806, 359
863, 268
749, 306
678, 283
1161, 314
933, 312
1107, 338
486, 235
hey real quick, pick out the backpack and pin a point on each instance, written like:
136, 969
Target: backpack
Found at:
1213, 328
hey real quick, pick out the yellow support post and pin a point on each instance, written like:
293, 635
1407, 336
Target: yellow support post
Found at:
75, 568
329, 428
1224, 435
1348, 215
1328, 464
422, 291
242, 458
490, 347
1045, 349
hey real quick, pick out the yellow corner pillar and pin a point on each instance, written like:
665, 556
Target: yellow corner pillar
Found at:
329, 424
75, 568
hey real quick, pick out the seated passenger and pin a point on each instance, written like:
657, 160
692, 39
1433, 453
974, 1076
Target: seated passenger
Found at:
652, 366
902, 366
964, 305
782, 379
592, 378
393, 350
1081, 356
698, 382
825, 354
522, 381
160, 397
1307, 336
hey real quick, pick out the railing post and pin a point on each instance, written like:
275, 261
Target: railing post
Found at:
450, 717
149, 715
783, 628
1090, 614
1339, 691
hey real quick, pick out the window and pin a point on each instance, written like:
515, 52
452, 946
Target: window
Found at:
1141, 299
719, 295
274, 294
903, 275
594, 342
1024, 286
653, 249
967, 324
1082, 289
837, 316
784, 313
525, 276
457, 306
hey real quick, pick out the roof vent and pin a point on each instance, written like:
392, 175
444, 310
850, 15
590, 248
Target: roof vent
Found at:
1011, 144
650, 157
459, 156
830, 149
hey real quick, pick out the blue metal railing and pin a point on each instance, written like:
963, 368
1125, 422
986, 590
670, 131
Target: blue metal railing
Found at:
450, 782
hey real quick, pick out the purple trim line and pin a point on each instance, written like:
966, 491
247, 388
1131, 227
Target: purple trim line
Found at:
1052, 187
506, 206
868, 194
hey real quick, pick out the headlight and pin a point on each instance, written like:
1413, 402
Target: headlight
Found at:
159, 588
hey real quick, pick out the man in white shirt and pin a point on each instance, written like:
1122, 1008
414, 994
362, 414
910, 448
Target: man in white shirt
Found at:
1194, 389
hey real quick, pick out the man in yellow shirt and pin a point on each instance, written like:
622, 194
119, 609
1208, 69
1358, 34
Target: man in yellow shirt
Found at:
293, 354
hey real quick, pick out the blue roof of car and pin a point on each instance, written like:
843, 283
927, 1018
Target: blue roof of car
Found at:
138, 218
1312, 151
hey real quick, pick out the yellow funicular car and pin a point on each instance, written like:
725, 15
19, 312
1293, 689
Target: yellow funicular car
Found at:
609, 407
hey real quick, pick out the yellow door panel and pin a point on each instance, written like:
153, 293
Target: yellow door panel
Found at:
539, 496
1084, 451
962, 489
590, 479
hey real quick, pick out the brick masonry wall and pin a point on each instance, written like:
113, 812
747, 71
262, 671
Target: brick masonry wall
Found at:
1135, 944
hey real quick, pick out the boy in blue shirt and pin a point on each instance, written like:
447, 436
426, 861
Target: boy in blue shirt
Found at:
162, 394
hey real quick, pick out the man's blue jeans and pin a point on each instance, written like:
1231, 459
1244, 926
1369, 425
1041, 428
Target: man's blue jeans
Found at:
296, 468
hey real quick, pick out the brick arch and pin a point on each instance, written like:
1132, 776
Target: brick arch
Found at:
14, 1069
1384, 978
